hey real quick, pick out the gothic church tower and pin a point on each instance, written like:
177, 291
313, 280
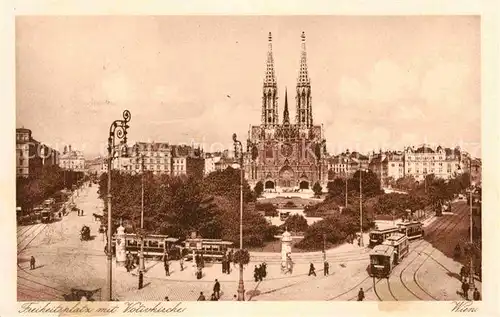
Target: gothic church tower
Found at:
270, 91
303, 116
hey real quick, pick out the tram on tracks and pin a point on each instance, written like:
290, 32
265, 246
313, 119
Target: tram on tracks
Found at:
155, 245
412, 229
384, 257
211, 249
378, 236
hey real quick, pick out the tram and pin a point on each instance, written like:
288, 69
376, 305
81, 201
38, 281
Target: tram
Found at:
378, 236
412, 229
46, 215
385, 256
155, 245
212, 249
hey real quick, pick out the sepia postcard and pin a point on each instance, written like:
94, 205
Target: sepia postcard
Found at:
325, 160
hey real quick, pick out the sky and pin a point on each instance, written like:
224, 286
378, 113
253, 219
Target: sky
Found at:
377, 82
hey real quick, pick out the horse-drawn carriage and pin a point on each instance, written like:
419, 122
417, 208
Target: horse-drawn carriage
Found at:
85, 233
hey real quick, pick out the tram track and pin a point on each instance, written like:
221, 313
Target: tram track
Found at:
19, 251
22, 236
446, 227
415, 251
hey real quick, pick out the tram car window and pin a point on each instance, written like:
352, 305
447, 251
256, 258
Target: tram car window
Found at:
412, 229
210, 249
379, 235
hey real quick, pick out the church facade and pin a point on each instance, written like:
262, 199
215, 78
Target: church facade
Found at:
288, 154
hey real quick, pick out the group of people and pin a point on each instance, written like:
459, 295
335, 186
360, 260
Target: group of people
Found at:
464, 274
215, 295
260, 272
226, 262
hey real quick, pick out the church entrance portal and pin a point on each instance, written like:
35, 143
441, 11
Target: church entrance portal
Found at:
304, 185
286, 177
269, 185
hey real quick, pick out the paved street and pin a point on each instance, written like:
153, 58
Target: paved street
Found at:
65, 262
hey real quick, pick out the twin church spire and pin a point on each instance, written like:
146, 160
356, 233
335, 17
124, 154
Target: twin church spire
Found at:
303, 116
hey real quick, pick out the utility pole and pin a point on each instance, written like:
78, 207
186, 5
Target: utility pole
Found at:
471, 279
141, 256
360, 208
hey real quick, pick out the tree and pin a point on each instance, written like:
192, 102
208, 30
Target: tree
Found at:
336, 188
227, 183
317, 189
269, 209
371, 183
258, 189
296, 223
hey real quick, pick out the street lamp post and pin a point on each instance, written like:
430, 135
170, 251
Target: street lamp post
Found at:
360, 209
141, 256
117, 130
241, 287
471, 278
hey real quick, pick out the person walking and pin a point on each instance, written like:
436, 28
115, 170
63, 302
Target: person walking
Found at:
312, 270
476, 295
181, 263
141, 280
463, 275
167, 268
32, 263
217, 288
361, 295
223, 263
256, 274
260, 274
326, 268
465, 289
201, 297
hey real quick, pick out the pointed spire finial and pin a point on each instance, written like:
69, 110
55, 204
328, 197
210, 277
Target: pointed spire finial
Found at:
286, 114
303, 74
270, 78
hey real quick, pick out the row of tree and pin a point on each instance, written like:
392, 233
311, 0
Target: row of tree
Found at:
33, 190
178, 206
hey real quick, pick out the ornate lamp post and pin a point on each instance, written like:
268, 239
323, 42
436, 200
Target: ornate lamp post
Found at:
238, 145
117, 130
360, 207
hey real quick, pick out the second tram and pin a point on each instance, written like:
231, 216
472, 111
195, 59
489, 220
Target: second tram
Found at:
378, 236
412, 229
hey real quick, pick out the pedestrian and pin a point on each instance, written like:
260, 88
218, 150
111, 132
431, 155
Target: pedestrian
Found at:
260, 274
463, 275
167, 299
217, 288
32, 263
465, 289
201, 297
326, 268
167, 268
181, 262
256, 274
361, 295
476, 295
264, 269
213, 297
312, 270
141, 280
199, 273
127, 264
223, 264
60, 214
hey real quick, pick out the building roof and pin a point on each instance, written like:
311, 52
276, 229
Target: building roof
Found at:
382, 249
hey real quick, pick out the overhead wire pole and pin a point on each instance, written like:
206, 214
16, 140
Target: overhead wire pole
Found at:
141, 256
360, 207
241, 286
118, 129
471, 278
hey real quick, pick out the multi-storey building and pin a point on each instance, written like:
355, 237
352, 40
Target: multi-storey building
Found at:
442, 162
387, 166
287, 154
346, 164
211, 159
156, 157
187, 161
72, 160
32, 155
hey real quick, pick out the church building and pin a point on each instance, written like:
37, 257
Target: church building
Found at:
287, 155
